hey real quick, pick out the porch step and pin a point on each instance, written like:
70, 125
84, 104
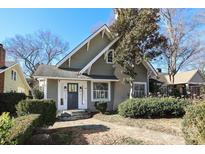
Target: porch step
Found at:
68, 115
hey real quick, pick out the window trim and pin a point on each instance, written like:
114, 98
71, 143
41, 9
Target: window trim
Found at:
111, 50
109, 91
141, 83
14, 74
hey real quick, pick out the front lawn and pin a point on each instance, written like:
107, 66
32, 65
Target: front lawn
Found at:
169, 126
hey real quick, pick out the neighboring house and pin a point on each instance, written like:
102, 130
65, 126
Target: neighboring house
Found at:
187, 83
11, 76
87, 74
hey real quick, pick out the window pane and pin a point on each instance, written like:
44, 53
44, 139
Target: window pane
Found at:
110, 57
139, 90
100, 90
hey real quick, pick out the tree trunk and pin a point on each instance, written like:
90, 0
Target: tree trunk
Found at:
131, 89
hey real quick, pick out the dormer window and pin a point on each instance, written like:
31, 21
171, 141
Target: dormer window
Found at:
110, 56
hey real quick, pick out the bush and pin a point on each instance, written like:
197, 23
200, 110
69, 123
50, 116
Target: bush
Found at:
152, 108
5, 125
38, 94
193, 125
46, 108
9, 100
101, 107
23, 128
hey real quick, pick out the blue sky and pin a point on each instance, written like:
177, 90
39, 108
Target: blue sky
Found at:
72, 25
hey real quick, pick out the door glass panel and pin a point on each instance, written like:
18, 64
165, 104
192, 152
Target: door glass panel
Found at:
72, 87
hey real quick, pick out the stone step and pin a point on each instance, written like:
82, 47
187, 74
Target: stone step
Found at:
73, 115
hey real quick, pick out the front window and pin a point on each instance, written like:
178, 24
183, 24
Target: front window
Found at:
139, 90
100, 91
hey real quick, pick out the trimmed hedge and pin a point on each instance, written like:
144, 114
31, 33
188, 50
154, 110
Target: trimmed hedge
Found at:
23, 128
9, 100
19, 130
152, 108
193, 125
6, 123
101, 107
46, 108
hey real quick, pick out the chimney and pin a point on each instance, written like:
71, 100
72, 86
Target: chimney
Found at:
159, 70
2, 55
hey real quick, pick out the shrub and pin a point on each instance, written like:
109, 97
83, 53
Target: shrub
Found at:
46, 108
193, 125
38, 94
23, 128
101, 107
152, 108
9, 100
5, 125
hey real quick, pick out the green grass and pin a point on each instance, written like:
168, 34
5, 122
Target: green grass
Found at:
169, 126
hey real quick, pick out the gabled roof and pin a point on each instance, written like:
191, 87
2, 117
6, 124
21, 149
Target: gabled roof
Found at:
181, 77
99, 55
9, 65
107, 32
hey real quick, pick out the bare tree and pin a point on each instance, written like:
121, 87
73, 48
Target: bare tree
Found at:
182, 42
39, 48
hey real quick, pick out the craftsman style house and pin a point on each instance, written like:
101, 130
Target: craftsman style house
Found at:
11, 76
87, 74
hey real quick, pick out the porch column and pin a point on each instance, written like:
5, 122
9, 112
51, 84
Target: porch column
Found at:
59, 98
45, 88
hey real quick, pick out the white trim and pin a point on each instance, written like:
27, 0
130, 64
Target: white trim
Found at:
142, 83
8, 68
77, 79
104, 27
109, 91
111, 50
98, 56
63, 93
146, 63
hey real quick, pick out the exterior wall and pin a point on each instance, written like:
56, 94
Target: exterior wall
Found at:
11, 85
52, 89
122, 89
1, 82
141, 73
83, 57
197, 78
100, 67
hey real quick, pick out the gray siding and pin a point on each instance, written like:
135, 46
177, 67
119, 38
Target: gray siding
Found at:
100, 67
122, 89
82, 57
52, 89
197, 78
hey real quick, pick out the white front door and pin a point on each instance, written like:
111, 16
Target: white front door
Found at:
63, 94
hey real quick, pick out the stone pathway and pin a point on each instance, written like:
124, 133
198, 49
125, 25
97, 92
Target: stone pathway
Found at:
93, 131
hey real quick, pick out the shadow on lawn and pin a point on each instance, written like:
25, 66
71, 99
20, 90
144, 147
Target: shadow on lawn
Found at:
66, 135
